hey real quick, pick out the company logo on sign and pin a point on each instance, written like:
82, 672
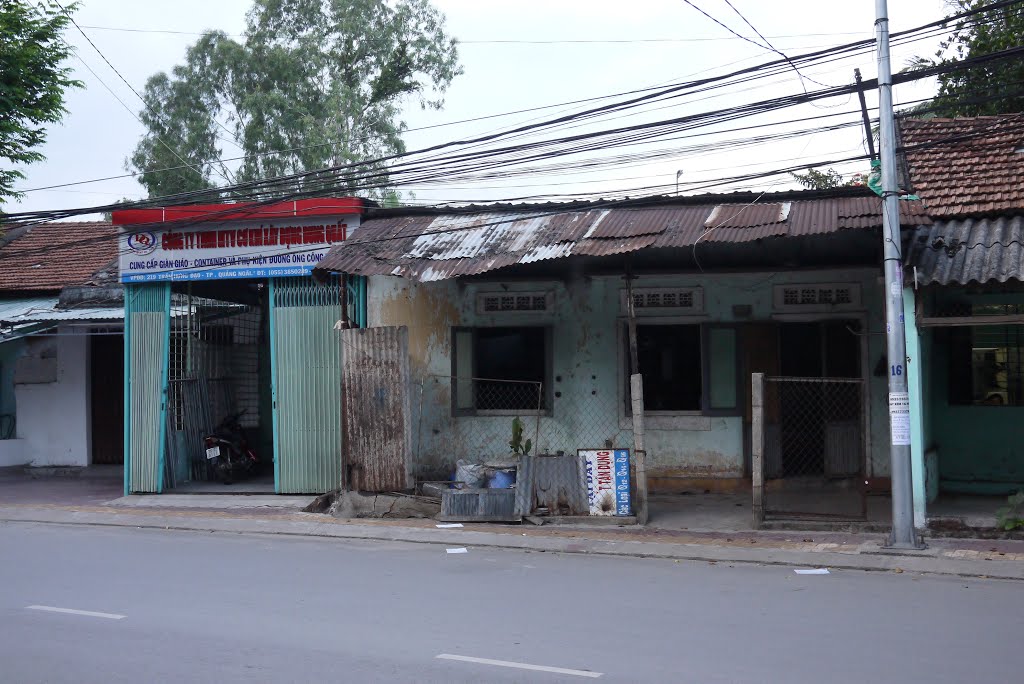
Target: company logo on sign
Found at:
142, 243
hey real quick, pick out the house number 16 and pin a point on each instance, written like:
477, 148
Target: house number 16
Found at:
897, 370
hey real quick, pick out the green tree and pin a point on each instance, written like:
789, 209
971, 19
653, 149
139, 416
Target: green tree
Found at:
970, 92
313, 84
825, 180
32, 81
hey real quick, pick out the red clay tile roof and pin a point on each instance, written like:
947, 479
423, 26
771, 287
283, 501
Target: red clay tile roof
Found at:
55, 255
967, 166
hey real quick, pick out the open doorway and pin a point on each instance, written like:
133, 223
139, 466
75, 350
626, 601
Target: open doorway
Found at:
106, 400
218, 386
822, 349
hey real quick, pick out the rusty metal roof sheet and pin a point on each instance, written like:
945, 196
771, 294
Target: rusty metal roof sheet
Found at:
968, 251
449, 245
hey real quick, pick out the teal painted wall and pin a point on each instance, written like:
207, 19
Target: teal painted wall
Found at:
916, 369
980, 448
588, 370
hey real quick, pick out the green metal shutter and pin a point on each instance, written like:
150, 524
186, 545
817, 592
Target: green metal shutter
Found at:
147, 319
306, 361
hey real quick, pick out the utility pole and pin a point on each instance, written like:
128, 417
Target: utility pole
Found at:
864, 113
903, 536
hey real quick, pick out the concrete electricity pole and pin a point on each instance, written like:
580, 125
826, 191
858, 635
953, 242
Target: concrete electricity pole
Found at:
899, 400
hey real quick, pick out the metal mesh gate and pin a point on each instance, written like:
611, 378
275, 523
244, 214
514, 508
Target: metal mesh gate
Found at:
814, 448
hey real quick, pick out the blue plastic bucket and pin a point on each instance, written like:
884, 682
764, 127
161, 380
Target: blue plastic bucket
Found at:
503, 479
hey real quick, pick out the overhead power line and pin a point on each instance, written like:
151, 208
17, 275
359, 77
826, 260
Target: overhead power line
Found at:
867, 44
502, 41
366, 174
540, 211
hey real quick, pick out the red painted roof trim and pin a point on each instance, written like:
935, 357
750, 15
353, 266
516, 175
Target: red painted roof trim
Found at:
323, 206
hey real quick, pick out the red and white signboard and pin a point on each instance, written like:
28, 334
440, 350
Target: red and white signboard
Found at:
214, 242
607, 475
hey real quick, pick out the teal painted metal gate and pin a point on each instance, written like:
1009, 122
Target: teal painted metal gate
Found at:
306, 370
146, 329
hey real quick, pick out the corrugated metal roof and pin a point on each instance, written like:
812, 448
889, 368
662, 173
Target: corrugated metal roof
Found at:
93, 314
968, 251
11, 309
42, 309
444, 246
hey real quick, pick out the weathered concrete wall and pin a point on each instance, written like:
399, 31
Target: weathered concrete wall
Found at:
589, 370
12, 450
53, 401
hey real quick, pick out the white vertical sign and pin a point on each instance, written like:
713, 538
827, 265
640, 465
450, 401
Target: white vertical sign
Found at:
899, 417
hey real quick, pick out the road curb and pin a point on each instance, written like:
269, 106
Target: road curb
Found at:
688, 551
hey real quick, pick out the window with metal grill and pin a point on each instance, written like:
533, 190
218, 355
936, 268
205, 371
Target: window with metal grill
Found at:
503, 369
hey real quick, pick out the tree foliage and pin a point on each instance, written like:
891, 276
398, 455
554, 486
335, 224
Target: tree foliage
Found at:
32, 81
825, 180
971, 92
314, 84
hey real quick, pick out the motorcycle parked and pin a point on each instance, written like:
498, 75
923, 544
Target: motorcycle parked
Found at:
227, 450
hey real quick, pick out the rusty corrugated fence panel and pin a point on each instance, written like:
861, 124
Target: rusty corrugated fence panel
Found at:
378, 424
479, 505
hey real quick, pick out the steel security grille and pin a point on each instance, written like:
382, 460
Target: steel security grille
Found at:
146, 312
305, 323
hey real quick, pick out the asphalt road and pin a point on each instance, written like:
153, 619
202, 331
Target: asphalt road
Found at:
169, 606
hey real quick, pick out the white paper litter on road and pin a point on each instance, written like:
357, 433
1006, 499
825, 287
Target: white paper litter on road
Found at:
449, 525
811, 571
73, 611
520, 666
459, 550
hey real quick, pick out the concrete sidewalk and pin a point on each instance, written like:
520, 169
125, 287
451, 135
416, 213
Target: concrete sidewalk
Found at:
982, 558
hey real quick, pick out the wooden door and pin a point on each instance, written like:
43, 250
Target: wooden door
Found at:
759, 344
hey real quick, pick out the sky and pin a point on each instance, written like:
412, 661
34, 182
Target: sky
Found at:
516, 55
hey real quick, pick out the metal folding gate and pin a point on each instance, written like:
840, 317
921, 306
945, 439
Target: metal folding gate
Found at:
146, 330
306, 371
306, 381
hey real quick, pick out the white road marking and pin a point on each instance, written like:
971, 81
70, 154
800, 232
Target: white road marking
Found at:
448, 525
72, 611
459, 550
811, 571
520, 666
